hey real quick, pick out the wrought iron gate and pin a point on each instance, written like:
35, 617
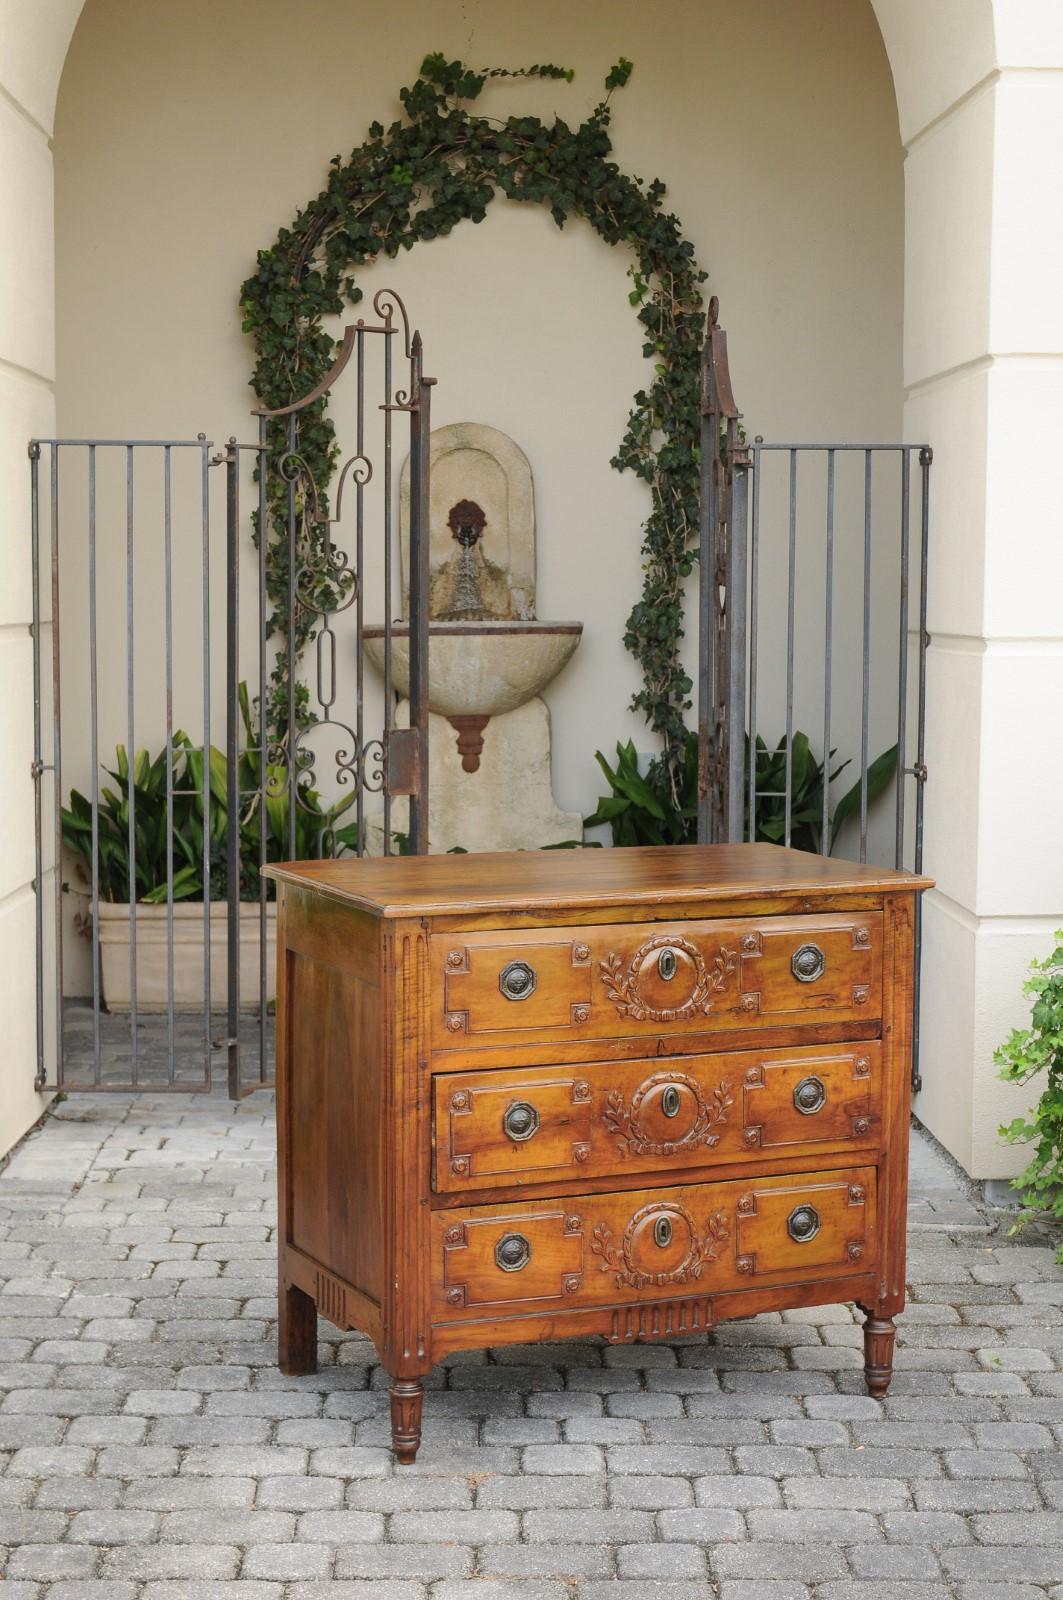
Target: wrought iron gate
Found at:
758, 524
300, 756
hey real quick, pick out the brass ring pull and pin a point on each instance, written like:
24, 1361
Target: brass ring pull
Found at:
808, 963
517, 980
802, 1224
662, 1232
810, 1096
512, 1252
521, 1121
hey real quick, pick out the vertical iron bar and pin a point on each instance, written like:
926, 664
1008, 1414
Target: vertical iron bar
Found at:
736, 684
865, 693
57, 764
389, 706
94, 760
292, 703
926, 457
359, 609
754, 578
420, 451
263, 753
40, 1077
828, 647
902, 661
131, 753
232, 763
791, 586
167, 532
706, 601
204, 510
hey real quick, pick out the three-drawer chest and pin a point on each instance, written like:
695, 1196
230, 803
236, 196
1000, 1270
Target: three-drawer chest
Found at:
615, 1093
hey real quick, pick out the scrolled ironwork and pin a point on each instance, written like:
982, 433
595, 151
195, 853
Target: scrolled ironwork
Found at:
385, 302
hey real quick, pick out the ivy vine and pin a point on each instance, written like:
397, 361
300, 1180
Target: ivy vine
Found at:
416, 180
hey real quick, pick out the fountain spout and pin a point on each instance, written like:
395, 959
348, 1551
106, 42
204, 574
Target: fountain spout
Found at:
466, 522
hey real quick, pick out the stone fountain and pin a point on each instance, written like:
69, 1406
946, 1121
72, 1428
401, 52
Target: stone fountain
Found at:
488, 656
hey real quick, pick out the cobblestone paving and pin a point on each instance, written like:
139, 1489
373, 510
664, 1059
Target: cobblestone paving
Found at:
150, 1450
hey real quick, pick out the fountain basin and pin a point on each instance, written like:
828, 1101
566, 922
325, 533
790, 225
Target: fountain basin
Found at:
478, 669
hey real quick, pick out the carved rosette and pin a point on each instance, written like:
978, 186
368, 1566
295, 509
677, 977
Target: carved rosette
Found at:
623, 988
633, 1139
631, 1258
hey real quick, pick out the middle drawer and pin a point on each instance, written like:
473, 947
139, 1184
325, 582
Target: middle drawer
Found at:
517, 1126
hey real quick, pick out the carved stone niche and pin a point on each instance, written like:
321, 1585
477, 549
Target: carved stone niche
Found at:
471, 461
489, 658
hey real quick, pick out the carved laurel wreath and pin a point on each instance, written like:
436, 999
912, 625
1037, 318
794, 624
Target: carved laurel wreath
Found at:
623, 1119
618, 1258
622, 988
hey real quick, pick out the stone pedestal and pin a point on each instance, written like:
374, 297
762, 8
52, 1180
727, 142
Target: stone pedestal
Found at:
506, 804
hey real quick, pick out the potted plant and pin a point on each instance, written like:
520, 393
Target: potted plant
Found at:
144, 781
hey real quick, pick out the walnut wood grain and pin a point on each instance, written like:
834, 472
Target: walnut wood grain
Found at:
608, 1119
509, 881
598, 1223
715, 1235
607, 983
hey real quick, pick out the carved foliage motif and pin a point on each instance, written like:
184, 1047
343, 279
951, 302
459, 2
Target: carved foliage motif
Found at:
623, 987
622, 1258
631, 1138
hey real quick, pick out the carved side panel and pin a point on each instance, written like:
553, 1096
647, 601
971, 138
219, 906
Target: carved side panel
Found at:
407, 1145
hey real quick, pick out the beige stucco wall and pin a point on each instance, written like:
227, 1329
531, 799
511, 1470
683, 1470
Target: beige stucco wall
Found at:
780, 148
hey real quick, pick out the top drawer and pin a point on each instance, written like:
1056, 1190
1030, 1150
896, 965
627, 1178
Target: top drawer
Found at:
634, 980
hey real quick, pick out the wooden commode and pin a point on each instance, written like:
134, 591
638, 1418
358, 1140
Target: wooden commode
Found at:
624, 1093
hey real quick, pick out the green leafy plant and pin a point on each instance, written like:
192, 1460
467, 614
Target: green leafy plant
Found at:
141, 785
640, 809
416, 181
1023, 1057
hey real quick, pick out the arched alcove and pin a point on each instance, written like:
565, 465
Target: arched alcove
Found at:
797, 215
971, 138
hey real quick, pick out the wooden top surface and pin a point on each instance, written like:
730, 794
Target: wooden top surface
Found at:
540, 880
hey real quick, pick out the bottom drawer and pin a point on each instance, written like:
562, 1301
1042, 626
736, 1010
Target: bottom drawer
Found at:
588, 1250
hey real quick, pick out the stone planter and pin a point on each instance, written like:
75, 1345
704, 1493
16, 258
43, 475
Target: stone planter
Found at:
187, 956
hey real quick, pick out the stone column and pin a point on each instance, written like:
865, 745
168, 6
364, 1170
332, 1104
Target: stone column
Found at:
33, 42
981, 106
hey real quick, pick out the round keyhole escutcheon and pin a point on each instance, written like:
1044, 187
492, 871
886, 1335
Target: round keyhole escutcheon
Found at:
808, 963
810, 1096
512, 1252
666, 964
521, 1121
802, 1224
517, 980
671, 1100
662, 1232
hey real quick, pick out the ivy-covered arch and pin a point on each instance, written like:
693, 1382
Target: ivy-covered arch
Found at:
416, 180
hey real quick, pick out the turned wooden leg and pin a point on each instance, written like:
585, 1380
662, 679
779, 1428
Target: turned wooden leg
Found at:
296, 1332
879, 1334
407, 1399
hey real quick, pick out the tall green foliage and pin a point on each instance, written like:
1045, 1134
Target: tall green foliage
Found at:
415, 181
644, 810
199, 808
1024, 1056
